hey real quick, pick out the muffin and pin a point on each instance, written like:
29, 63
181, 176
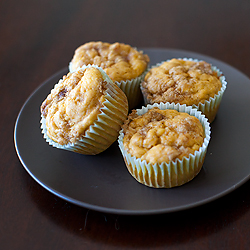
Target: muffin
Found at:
126, 66
164, 145
84, 112
185, 81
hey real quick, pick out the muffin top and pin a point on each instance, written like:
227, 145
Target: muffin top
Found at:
162, 135
119, 61
73, 105
181, 81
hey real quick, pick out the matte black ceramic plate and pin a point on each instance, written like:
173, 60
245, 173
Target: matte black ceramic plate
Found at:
103, 183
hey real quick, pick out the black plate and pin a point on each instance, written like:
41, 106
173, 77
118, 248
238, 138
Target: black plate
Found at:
103, 183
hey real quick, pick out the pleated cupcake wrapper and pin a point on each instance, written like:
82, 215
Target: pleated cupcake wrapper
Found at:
132, 90
210, 107
176, 173
105, 129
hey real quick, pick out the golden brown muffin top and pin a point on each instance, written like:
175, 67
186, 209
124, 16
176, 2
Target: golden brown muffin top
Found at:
162, 135
119, 61
181, 81
73, 105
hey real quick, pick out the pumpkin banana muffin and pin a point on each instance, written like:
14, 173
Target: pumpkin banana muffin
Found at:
164, 145
126, 66
185, 81
84, 112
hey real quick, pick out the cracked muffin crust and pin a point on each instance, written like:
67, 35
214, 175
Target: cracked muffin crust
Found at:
181, 81
162, 135
120, 61
73, 105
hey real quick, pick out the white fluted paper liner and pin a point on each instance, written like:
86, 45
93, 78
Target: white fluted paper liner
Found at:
104, 131
132, 90
209, 107
176, 173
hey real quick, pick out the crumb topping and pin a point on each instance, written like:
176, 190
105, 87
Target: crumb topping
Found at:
162, 135
119, 61
73, 105
181, 81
